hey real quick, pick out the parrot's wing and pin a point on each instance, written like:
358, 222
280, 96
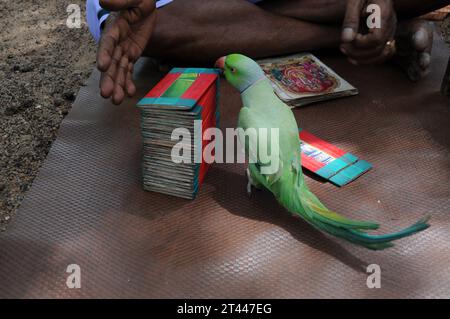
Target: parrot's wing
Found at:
263, 149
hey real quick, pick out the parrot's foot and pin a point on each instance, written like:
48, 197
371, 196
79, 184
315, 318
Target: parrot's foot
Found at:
249, 189
251, 183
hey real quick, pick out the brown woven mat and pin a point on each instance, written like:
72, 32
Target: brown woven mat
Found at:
87, 207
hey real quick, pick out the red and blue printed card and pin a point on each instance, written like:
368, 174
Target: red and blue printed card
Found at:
329, 161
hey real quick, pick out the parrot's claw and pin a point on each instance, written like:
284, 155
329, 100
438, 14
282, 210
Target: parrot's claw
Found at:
250, 183
249, 189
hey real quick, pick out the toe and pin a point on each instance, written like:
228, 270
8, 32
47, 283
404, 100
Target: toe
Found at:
421, 40
424, 60
415, 40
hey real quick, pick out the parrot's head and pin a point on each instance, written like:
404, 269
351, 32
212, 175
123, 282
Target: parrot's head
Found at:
240, 71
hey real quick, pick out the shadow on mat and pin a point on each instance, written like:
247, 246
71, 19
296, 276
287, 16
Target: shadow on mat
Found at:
265, 208
30, 269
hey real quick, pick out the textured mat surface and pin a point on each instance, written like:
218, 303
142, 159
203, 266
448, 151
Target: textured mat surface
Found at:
87, 207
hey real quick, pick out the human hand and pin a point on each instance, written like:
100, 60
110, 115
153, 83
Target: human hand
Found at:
377, 44
124, 38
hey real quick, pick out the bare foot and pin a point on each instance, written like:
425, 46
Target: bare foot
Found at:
414, 41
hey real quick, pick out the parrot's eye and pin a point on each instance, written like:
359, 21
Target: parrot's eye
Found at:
233, 70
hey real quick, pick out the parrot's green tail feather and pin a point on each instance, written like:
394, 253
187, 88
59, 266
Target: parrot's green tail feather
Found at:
375, 242
351, 230
330, 217
317, 210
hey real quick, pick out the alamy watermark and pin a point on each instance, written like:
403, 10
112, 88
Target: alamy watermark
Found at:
374, 279
374, 19
74, 16
74, 278
262, 146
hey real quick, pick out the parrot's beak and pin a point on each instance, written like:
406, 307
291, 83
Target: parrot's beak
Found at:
220, 63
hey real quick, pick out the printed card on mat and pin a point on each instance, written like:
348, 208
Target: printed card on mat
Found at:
302, 79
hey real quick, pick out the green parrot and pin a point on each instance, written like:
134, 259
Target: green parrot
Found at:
263, 109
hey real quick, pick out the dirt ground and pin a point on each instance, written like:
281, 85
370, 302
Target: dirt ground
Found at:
43, 63
444, 28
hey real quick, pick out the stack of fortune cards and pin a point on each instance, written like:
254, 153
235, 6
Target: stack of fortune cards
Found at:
173, 116
303, 79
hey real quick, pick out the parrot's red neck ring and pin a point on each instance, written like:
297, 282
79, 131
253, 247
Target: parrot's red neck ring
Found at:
262, 77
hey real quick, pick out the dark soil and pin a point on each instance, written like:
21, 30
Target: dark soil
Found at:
444, 27
43, 63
